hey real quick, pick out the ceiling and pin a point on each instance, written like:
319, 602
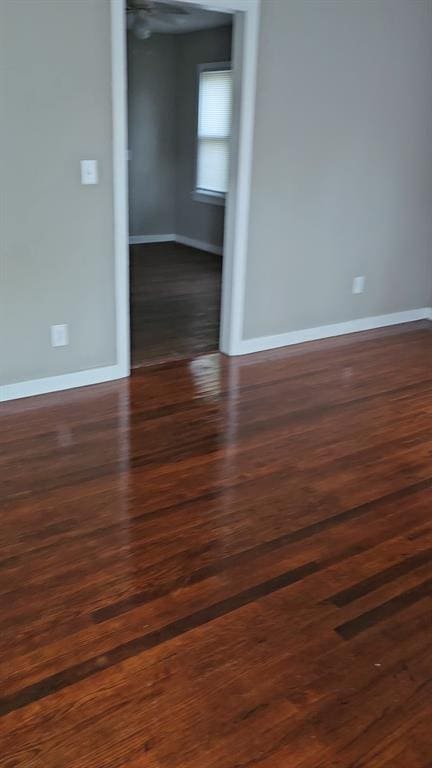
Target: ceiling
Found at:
192, 20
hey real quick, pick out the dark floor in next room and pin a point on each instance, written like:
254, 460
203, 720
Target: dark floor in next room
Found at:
175, 302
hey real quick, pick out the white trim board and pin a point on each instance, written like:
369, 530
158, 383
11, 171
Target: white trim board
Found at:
61, 382
248, 346
120, 184
182, 239
142, 239
200, 244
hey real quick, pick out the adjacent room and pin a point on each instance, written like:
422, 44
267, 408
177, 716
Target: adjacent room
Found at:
215, 383
179, 121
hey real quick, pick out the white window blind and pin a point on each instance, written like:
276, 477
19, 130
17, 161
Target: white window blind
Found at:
214, 127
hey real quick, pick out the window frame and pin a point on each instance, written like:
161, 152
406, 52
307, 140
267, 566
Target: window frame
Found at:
198, 194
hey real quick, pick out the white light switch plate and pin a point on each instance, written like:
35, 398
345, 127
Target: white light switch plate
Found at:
89, 172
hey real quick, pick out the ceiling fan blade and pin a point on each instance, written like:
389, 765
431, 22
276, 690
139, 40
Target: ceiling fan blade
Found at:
166, 9
156, 9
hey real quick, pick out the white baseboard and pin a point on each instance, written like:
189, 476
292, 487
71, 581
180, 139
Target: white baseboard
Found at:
248, 346
141, 239
59, 383
191, 241
200, 244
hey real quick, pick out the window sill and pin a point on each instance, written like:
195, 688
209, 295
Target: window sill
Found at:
214, 198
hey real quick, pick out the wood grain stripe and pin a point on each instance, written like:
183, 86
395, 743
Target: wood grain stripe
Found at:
375, 616
362, 588
212, 569
78, 672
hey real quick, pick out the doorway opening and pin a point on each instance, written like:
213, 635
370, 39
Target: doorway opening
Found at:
180, 117
245, 19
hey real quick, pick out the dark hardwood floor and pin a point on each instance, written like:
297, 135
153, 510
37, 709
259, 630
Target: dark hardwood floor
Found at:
175, 302
223, 563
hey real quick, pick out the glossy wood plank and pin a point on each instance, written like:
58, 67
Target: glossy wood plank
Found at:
223, 563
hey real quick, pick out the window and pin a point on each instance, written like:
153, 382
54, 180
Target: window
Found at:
214, 127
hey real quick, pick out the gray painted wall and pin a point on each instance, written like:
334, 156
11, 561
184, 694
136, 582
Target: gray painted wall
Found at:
56, 245
152, 134
342, 176
202, 221
162, 99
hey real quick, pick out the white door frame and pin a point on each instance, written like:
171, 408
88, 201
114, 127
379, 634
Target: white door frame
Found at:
246, 27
